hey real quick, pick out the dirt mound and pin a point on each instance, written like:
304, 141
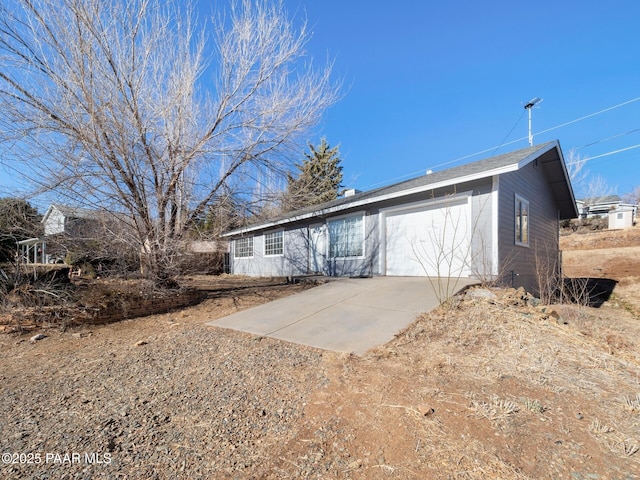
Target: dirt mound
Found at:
495, 388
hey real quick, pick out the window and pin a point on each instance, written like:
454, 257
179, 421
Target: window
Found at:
620, 215
346, 237
244, 247
273, 243
522, 221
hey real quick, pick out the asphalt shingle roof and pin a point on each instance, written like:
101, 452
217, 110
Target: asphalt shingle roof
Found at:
450, 176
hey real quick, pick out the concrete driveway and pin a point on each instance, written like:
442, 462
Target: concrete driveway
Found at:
344, 315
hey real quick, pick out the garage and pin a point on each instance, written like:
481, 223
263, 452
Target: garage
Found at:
428, 240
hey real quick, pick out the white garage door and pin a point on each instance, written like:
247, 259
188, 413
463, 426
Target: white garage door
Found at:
429, 241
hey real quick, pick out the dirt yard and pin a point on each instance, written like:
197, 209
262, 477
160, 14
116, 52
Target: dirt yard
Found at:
489, 387
609, 254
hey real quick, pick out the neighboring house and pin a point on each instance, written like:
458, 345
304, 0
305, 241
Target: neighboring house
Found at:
71, 221
620, 214
497, 219
60, 221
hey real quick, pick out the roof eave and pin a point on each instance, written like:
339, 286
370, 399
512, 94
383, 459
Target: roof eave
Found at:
411, 191
574, 207
380, 198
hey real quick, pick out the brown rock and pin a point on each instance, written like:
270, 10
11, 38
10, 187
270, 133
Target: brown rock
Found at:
425, 410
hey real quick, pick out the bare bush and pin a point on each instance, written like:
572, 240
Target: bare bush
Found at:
548, 273
576, 291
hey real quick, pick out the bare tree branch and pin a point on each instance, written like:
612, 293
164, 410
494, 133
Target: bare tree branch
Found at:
118, 105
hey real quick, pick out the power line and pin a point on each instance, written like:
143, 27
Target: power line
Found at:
609, 138
544, 131
590, 115
494, 148
510, 132
582, 160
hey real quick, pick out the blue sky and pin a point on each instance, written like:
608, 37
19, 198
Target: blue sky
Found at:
427, 83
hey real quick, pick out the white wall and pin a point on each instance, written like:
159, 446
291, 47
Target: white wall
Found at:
54, 223
620, 219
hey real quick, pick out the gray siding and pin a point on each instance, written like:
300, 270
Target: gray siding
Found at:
293, 261
369, 263
519, 264
296, 258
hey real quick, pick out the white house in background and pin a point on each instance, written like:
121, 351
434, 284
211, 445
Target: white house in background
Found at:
58, 220
497, 218
620, 214
72, 221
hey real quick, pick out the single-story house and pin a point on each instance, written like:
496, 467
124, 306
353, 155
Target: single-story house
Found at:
494, 219
597, 206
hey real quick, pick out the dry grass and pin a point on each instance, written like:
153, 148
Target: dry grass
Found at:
527, 373
486, 388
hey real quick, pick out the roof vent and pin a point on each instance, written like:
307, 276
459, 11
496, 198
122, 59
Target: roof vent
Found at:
429, 172
350, 192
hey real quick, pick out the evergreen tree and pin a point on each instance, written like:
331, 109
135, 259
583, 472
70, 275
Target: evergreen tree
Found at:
319, 179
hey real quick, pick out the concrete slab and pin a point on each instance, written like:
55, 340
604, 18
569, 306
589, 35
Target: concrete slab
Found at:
345, 315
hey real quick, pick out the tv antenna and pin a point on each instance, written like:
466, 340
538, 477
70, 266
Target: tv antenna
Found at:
528, 107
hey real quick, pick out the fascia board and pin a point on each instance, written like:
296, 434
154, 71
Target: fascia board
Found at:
47, 213
537, 154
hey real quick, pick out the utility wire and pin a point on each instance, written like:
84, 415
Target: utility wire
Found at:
609, 138
510, 132
590, 115
494, 148
582, 160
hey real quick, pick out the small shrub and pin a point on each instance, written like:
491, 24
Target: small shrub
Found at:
534, 405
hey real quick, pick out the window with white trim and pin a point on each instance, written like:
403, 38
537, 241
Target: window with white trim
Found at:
522, 221
346, 237
243, 247
273, 243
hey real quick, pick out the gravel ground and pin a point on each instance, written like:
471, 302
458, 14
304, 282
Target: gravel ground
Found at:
490, 388
149, 398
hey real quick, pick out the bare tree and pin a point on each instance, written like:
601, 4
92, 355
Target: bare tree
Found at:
138, 108
633, 196
586, 186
